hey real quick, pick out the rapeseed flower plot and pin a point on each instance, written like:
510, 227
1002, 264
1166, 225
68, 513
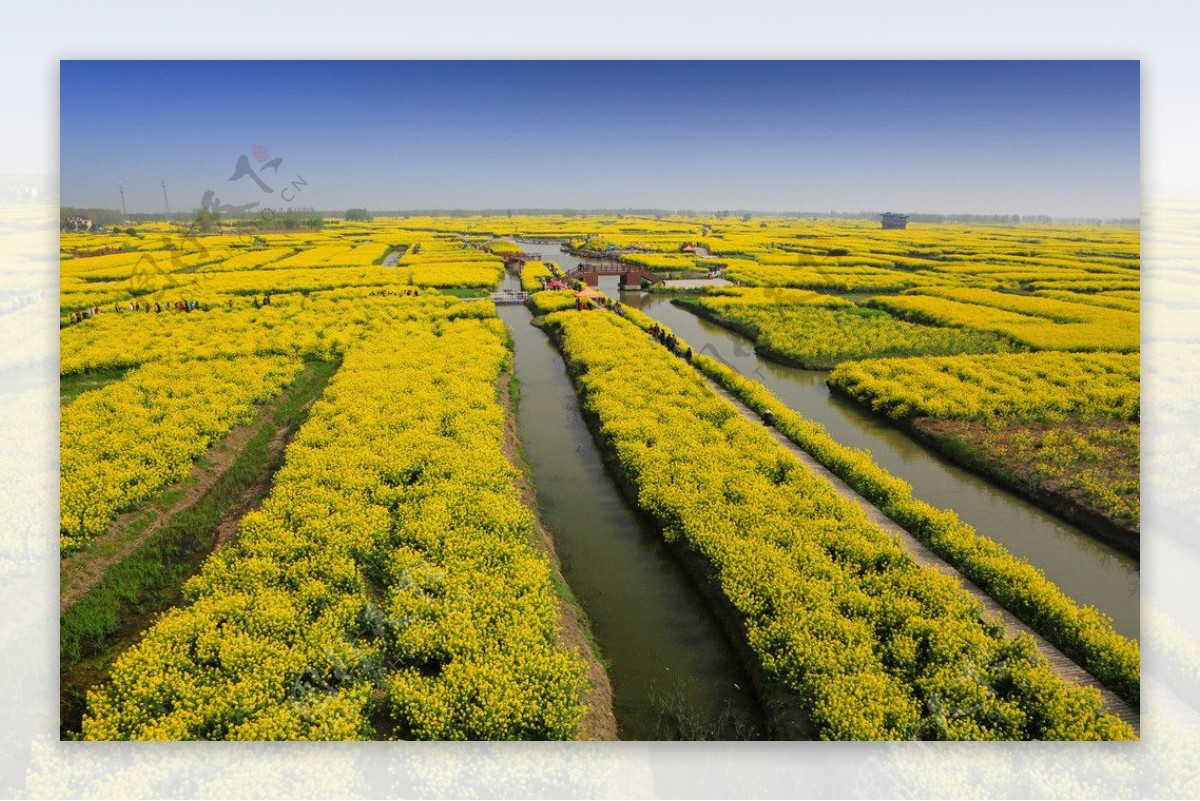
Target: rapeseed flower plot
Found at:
387, 587
1082, 632
819, 333
532, 273
873, 646
387, 581
123, 442
552, 300
1040, 323
320, 325
1041, 386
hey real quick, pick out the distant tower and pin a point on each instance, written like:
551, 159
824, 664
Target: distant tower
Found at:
124, 211
166, 202
892, 220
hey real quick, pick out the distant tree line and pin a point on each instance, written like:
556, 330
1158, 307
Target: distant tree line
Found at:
989, 219
99, 217
267, 220
506, 212
747, 214
106, 218
309, 218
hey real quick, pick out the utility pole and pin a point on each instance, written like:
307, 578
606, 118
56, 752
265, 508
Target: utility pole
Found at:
166, 202
124, 211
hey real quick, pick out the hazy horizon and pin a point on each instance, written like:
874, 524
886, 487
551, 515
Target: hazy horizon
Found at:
634, 212
1052, 138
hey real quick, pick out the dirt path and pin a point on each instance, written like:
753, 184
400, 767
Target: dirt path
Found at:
83, 570
1060, 662
600, 723
255, 493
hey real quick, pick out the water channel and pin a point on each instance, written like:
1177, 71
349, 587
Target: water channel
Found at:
1088, 570
674, 672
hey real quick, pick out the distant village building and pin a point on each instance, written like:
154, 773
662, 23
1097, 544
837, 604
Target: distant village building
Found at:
891, 220
79, 223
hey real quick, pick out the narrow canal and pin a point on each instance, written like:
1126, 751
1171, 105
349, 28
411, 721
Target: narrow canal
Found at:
674, 673
1086, 569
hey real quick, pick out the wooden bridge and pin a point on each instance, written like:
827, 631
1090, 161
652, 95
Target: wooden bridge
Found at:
510, 296
630, 275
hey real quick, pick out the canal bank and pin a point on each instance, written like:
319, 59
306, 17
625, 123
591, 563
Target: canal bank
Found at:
675, 674
930, 432
599, 721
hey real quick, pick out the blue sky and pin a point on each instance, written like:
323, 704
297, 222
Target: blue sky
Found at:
1026, 137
